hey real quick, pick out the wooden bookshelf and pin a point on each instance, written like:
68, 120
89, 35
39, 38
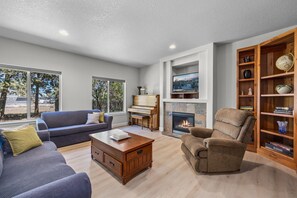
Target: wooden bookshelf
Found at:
247, 63
268, 78
243, 84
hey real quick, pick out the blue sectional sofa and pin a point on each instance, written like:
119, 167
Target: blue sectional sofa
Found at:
69, 127
40, 172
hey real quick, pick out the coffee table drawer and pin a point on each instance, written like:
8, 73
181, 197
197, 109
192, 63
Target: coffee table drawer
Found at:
147, 150
97, 154
113, 164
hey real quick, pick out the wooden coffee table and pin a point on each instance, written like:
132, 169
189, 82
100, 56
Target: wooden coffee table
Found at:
125, 158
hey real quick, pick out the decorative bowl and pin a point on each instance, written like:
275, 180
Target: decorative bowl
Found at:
283, 89
285, 62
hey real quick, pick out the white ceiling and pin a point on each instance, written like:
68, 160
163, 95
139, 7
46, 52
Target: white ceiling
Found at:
137, 32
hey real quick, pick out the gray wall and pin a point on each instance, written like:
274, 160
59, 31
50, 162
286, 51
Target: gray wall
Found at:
226, 67
77, 72
149, 77
224, 71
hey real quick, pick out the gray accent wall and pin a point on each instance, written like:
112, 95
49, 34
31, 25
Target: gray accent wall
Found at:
77, 72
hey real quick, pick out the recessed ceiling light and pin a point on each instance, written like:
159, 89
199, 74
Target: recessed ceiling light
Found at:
63, 32
172, 46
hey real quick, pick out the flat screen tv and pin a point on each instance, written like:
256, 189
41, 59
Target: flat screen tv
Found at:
185, 82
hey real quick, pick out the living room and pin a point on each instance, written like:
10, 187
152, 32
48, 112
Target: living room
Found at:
148, 99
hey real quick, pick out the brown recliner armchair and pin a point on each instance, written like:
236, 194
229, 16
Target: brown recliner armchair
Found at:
220, 149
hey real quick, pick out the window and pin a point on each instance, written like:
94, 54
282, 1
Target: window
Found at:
108, 95
25, 93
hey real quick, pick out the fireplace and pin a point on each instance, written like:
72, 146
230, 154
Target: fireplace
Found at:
182, 121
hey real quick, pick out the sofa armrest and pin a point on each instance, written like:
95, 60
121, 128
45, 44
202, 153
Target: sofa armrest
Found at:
201, 132
44, 135
40, 124
74, 186
223, 143
108, 119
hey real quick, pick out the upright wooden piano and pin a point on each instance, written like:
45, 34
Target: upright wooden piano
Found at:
146, 105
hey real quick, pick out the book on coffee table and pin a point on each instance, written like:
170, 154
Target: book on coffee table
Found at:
118, 135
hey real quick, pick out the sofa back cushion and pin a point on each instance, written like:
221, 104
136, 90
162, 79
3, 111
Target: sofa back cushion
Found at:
229, 124
65, 118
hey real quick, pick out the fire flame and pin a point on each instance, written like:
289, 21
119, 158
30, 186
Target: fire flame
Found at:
185, 124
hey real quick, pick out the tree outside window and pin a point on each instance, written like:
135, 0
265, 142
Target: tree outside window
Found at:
108, 95
20, 88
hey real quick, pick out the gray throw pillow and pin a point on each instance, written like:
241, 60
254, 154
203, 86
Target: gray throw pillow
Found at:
93, 118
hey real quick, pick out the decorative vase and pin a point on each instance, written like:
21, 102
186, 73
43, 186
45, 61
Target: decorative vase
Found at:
246, 59
285, 62
142, 91
282, 127
247, 73
139, 90
283, 89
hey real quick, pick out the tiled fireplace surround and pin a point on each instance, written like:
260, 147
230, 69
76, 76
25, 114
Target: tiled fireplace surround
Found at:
199, 109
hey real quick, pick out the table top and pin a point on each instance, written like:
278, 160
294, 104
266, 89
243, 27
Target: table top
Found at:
126, 145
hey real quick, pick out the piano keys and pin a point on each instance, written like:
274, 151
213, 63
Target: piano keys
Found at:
146, 105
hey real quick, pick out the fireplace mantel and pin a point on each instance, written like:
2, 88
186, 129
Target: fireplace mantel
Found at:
185, 100
204, 56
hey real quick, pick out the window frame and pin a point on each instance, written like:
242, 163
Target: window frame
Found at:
28, 71
124, 95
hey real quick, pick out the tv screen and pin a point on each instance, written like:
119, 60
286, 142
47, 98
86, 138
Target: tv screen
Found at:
186, 82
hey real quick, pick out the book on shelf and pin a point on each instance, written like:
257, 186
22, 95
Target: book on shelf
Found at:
278, 149
283, 146
283, 110
248, 108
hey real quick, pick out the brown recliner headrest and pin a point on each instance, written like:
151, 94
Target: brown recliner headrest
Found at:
232, 116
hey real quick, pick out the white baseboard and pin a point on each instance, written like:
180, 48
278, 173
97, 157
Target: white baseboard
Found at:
119, 124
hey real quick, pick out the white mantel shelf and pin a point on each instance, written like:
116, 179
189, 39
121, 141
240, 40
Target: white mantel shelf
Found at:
185, 100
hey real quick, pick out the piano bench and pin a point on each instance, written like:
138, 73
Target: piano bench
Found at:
140, 118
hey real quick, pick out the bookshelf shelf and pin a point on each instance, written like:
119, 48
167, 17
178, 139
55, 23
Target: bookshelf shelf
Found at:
278, 95
277, 115
289, 135
246, 80
278, 75
245, 64
275, 154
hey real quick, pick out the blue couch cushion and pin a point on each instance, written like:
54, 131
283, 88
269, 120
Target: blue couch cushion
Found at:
45, 152
61, 131
31, 169
30, 176
65, 118
1, 154
1, 161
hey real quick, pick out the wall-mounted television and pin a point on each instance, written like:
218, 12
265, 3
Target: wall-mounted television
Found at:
185, 82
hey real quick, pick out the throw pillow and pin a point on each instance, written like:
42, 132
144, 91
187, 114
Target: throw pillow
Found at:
6, 148
101, 116
93, 118
22, 140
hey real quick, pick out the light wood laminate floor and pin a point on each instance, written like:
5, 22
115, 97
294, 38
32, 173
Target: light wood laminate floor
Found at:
172, 176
